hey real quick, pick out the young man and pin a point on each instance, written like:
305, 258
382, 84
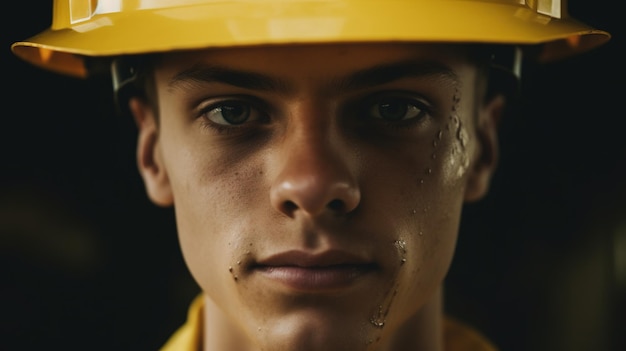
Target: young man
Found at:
317, 154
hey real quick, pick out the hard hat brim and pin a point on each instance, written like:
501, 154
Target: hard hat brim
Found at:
223, 24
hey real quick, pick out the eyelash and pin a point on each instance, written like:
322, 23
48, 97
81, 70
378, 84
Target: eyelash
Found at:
426, 109
363, 107
254, 106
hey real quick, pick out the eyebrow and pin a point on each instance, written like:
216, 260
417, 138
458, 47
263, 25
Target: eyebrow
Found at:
369, 77
387, 73
219, 74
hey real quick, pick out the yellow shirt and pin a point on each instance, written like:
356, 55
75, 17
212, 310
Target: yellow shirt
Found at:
458, 336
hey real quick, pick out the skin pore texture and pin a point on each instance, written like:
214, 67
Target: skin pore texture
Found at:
318, 189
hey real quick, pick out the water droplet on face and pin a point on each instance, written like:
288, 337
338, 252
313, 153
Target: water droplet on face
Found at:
378, 321
434, 156
435, 143
440, 135
421, 233
414, 211
370, 341
456, 98
230, 269
400, 245
462, 136
421, 181
429, 171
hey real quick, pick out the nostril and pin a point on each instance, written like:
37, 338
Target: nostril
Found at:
337, 205
314, 195
289, 206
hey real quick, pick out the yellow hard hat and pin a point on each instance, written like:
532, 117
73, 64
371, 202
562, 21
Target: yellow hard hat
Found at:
101, 28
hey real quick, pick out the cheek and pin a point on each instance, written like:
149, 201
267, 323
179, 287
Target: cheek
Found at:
430, 232
421, 209
213, 200
444, 187
432, 200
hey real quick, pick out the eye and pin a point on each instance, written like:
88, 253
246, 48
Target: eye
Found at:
230, 112
398, 109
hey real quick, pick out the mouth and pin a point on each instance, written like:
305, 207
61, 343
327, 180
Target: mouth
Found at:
305, 272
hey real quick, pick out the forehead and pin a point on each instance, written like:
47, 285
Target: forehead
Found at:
314, 62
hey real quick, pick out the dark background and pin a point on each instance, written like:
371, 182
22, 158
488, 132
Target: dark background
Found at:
88, 263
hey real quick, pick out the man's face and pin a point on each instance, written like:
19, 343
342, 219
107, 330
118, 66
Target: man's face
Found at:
317, 189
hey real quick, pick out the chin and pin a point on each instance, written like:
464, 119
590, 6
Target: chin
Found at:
312, 331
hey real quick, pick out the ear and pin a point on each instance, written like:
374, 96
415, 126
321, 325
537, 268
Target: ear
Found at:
485, 159
149, 155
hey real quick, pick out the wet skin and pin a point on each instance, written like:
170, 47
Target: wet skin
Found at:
318, 189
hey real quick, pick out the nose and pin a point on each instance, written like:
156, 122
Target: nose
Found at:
315, 176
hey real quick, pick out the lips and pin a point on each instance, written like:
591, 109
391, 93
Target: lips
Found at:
302, 271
